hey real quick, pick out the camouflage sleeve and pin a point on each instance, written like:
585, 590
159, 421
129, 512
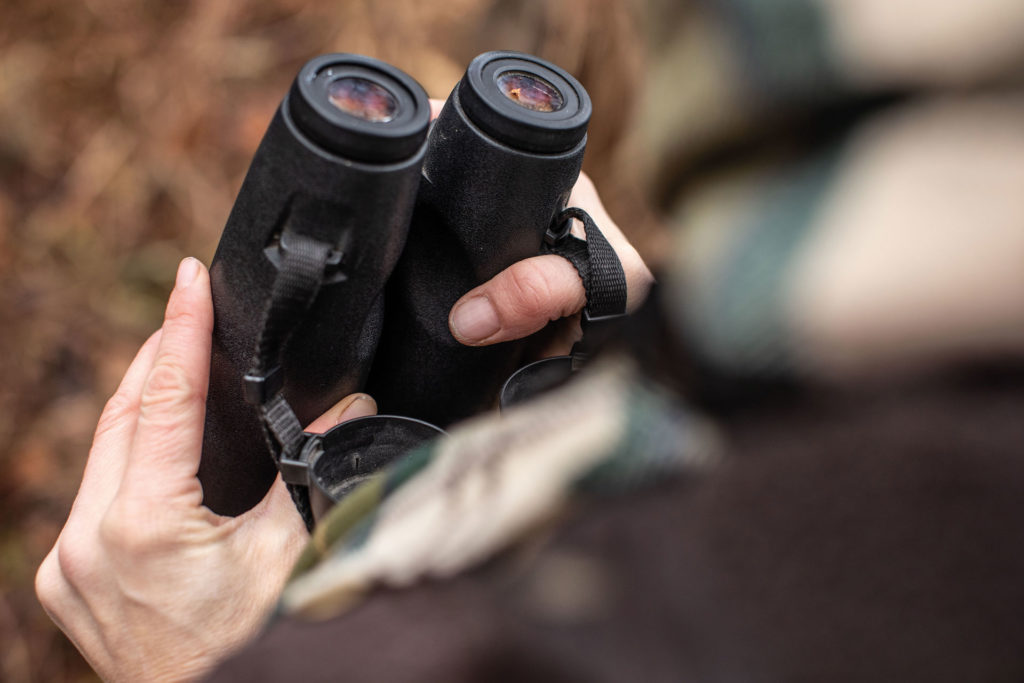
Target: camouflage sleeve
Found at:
843, 181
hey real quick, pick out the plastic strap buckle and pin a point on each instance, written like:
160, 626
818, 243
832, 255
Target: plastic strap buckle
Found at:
295, 472
596, 331
258, 389
588, 320
553, 236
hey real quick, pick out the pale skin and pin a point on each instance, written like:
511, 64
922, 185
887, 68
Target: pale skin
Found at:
151, 585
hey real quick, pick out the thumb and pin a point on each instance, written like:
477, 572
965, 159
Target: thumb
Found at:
348, 408
518, 301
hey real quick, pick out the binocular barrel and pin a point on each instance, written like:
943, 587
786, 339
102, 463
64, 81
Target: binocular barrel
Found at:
502, 159
339, 163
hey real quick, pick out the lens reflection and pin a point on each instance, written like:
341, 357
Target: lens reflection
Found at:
362, 98
530, 91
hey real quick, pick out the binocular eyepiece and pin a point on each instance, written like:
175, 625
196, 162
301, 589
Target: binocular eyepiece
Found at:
359, 109
351, 238
524, 102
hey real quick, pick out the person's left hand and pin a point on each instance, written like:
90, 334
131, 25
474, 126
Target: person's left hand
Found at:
147, 582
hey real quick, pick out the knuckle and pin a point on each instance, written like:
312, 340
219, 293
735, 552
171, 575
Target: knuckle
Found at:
167, 394
122, 536
531, 293
76, 559
112, 531
181, 313
49, 583
117, 410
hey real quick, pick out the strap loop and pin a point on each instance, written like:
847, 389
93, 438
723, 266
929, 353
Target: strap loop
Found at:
595, 260
604, 281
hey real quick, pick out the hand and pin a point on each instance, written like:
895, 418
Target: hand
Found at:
529, 294
148, 583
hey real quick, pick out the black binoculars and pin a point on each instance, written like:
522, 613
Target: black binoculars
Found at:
358, 226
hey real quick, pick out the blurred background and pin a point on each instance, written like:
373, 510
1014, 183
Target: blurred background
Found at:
125, 130
889, 132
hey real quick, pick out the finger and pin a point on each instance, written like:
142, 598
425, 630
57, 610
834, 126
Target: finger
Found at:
584, 195
114, 433
518, 301
165, 453
348, 408
435, 108
564, 335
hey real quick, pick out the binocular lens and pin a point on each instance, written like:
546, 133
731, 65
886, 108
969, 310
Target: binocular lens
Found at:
363, 98
530, 91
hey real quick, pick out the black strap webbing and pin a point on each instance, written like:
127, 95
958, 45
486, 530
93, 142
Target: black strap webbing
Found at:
604, 281
295, 288
595, 260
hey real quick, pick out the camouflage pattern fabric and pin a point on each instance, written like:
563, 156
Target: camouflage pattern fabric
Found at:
453, 503
845, 181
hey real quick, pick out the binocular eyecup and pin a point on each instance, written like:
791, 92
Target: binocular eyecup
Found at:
359, 108
525, 102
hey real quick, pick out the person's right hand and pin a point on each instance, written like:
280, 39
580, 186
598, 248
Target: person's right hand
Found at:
147, 582
528, 295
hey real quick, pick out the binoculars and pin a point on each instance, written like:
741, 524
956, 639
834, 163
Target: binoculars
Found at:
358, 226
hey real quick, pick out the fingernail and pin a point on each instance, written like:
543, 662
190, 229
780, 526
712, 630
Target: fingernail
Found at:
361, 405
474, 320
188, 269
